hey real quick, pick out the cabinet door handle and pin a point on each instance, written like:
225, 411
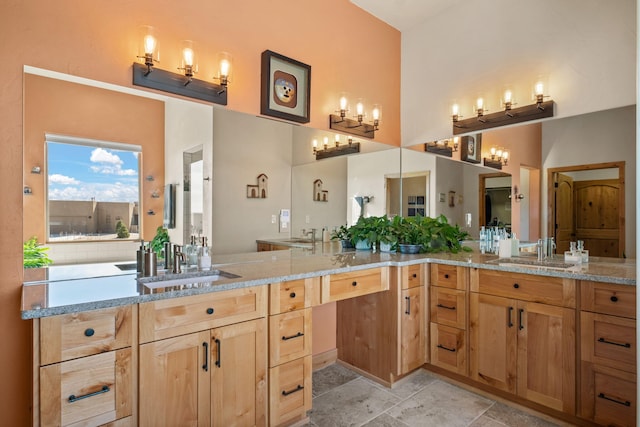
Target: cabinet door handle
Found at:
287, 393
446, 307
620, 402
452, 350
408, 310
510, 324
292, 295
354, 283
520, 313
290, 337
614, 299
89, 332
205, 346
74, 398
218, 345
625, 345
446, 276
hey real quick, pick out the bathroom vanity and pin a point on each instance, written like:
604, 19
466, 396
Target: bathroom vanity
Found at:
217, 349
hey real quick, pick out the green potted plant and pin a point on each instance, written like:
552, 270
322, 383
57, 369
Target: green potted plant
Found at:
342, 234
408, 233
425, 234
385, 233
34, 254
363, 233
157, 244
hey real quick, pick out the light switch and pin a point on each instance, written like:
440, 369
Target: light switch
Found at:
274, 219
307, 219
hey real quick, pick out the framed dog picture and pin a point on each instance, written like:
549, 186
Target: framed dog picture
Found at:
471, 148
285, 88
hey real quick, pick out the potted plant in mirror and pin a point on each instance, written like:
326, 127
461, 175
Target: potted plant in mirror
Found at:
408, 233
342, 234
440, 236
363, 233
386, 235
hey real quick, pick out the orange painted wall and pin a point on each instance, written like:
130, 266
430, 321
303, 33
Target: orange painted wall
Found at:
64, 108
348, 50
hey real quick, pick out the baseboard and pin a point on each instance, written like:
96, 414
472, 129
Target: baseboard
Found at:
322, 360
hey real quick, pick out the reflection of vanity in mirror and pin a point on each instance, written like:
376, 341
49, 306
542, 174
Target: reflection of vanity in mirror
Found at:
236, 148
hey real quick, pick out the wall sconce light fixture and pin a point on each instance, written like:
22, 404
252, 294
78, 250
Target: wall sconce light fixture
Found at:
499, 158
510, 115
36, 170
517, 196
144, 73
356, 126
442, 147
337, 150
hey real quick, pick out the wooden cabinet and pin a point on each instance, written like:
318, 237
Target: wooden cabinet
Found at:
520, 345
608, 354
383, 334
353, 284
265, 247
85, 367
448, 316
290, 360
195, 374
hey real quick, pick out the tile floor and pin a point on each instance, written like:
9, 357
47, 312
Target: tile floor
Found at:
341, 397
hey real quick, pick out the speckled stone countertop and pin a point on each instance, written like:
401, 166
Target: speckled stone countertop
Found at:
66, 289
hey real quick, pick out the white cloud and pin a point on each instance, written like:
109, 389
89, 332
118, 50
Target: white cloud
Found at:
115, 192
100, 155
109, 163
62, 179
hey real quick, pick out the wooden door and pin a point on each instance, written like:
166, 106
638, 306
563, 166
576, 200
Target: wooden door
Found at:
598, 216
239, 374
413, 330
546, 355
493, 341
174, 381
563, 212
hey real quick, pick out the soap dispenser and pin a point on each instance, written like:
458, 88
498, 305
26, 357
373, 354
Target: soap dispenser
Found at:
204, 257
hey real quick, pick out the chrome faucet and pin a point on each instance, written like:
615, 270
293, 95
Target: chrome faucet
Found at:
178, 258
311, 232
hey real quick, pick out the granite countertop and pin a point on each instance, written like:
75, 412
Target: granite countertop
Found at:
65, 289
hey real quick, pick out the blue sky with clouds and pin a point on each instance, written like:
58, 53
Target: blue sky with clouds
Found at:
77, 172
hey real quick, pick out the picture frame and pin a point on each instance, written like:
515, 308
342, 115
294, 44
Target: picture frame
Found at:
471, 148
285, 88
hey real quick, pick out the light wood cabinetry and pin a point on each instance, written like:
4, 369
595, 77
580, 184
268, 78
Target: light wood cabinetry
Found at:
608, 354
448, 315
290, 360
353, 284
522, 336
85, 368
383, 334
265, 247
203, 360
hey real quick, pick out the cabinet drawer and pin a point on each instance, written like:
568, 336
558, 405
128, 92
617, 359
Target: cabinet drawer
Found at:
293, 295
528, 287
289, 336
448, 276
608, 396
449, 348
92, 390
354, 284
290, 391
608, 298
609, 340
69, 336
412, 276
448, 307
179, 316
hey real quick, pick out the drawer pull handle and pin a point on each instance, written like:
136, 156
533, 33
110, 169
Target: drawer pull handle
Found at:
209, 310
620, 402
446, 276
74, 398
292, 295
408, 310
354, 283
614, 299
290, 337
89, 332
520, 325
446, 306
510, 324
415, 275
287, 393
218, 345
625, 345
452, 350
515, 285
205, 345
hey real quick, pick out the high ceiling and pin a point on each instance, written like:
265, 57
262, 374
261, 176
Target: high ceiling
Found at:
404, 14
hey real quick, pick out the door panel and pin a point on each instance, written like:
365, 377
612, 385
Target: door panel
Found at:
597, 216
564, 226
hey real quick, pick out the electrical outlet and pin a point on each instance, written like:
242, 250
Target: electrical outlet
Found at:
274, 218
307, 219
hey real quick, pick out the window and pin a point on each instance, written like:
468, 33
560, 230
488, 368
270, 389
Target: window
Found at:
91, 187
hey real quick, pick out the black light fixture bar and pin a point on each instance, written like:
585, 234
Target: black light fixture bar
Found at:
496, 164
351, 126
178, 84
505, 117
340, 150
435, 148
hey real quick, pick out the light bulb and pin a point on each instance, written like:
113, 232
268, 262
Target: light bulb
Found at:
492, 151
455, 109
480, 103
343, 103
326, 142
187, 54
359, 109
224, 67
539, 89
149, 44
337, 138
507, 97
505, 156
376, 114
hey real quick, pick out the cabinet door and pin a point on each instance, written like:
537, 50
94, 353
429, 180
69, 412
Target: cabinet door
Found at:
239, 374
174, 381
546, 355
413, 330
493, 341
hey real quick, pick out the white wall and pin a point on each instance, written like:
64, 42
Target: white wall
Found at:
602, 137
415, 162
585, 50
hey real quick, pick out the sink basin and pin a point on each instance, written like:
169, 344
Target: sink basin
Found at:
533, 262
127, 267
194, 278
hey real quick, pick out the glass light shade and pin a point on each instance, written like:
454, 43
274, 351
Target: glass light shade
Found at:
539, 88
480, 103
456, 142
505, 155
455, 109
337, 139
344, 103
492, 151
360, 108
315, 144
326, 141
188, 60
499, 153
148, 49
508, 96
225, 68
376, 113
